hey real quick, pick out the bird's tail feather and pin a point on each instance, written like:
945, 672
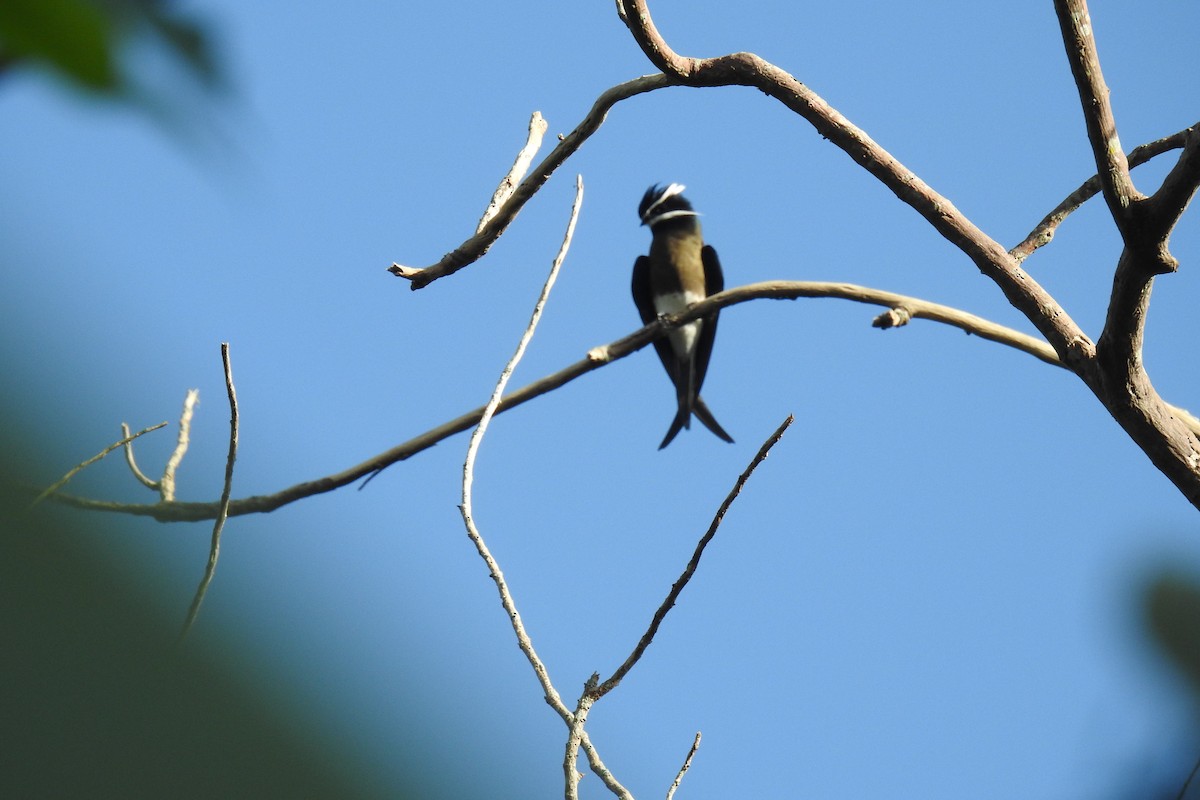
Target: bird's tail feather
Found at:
700, 409
682, 418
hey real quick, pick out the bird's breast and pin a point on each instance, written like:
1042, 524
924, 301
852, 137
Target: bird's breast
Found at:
683, 338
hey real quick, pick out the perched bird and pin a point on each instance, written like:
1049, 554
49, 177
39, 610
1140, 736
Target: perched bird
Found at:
679, 271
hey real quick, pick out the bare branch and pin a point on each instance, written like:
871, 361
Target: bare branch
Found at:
687, 763
474, 248
1111, 164
1167, 205
1044, 232
166, 486
141, 477
537, 129
575, 738
747, 69
214, 550
602, 772
506, 599
1128, 395
1117, 374
596, 358
1191, 776
692, 564
71, 473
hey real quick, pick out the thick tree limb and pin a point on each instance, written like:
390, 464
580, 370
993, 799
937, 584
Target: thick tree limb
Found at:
1118, 377
1111, 164
1119, 382
747, 69
1167, 205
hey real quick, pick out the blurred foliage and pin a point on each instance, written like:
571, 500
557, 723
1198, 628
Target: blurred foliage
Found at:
95, 701
1171, 606
1173, 616
81, 40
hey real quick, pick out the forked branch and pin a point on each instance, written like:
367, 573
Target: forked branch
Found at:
474, 248
1118, 378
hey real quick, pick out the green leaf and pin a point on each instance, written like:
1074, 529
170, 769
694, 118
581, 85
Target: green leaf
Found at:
72, 36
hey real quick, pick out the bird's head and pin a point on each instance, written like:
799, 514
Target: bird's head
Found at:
662, 203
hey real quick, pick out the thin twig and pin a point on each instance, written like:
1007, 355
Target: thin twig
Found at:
598, 357
523, 641
600, 770
1191, 775
166, 486
474, 248
214, 550
687, 763
537, 129
1044, 232
693, 563
61, 482
489, 411
142, 478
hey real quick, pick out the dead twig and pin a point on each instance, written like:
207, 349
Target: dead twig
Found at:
214, 550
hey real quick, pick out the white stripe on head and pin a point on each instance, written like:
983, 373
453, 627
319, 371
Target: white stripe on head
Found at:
671, 190
680, 212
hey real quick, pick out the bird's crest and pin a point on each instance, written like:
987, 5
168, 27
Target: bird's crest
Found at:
661, 203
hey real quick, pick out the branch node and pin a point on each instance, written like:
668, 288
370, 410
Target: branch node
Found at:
50, 490
599, 355
896, 317
401, 271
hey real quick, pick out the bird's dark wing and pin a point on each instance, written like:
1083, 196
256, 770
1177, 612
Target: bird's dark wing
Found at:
714, 281
644, 301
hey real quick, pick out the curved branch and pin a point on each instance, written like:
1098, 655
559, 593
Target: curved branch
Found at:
596, 358
75, 470
468, 480
474, 248
747, 69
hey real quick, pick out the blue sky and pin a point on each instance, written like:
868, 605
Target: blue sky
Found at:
930, 589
